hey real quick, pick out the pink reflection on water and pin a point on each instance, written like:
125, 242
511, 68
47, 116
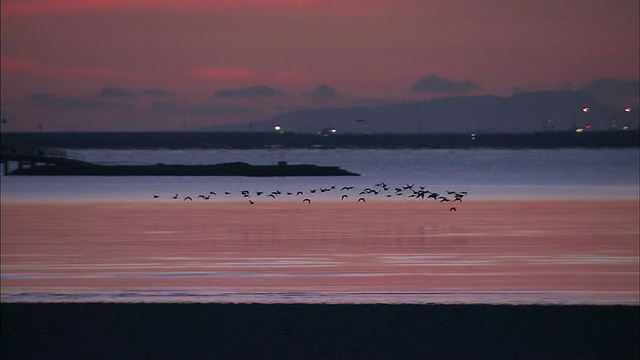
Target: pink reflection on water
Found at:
396, 252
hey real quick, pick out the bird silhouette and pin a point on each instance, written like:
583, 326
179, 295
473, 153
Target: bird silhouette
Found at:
155, 196
175, 196
188, 198
251, 202
344, 197
361, 199
307, 200
453, 209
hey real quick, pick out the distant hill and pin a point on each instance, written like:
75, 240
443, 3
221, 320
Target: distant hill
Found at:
520, 113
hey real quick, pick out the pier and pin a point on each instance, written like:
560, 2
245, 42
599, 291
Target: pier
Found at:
31, 158
57, 162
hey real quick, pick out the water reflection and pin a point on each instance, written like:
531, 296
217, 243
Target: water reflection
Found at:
504, 252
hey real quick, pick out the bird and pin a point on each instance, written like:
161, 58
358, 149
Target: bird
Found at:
453, 208
155, 196
307, 200
299, 193
188, 198
212, 193
251, 202
344, 197
175, 196
361, 199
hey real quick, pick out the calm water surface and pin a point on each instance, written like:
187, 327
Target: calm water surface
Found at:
599, 173
281, 253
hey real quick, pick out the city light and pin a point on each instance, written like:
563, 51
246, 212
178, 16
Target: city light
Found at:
585, 109
277, 128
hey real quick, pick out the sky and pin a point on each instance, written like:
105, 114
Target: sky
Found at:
122, 65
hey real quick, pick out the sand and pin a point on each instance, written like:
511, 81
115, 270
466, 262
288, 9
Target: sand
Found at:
512, 251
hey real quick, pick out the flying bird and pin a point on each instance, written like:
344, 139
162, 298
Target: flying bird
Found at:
307, 200
361, 199
188, 198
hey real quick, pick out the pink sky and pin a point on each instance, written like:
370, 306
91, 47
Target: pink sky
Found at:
122, 65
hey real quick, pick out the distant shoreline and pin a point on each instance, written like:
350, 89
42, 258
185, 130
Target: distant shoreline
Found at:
274, 140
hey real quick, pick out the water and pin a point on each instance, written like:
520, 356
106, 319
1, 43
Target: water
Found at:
409, 252
564, 173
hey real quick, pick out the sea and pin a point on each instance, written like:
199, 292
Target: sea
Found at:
482, 173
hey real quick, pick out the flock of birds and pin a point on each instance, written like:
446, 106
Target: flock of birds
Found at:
346, 192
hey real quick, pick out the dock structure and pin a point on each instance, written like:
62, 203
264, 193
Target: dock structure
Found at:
58, 162
35, 157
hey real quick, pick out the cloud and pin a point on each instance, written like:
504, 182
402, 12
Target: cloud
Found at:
372, 102
157, 92
115, 92
71, 103
166, 107
437, 84
250, 92
323, 91
622, 89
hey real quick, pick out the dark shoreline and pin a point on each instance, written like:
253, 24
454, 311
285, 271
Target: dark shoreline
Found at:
79, 168
259, 140
256, 331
